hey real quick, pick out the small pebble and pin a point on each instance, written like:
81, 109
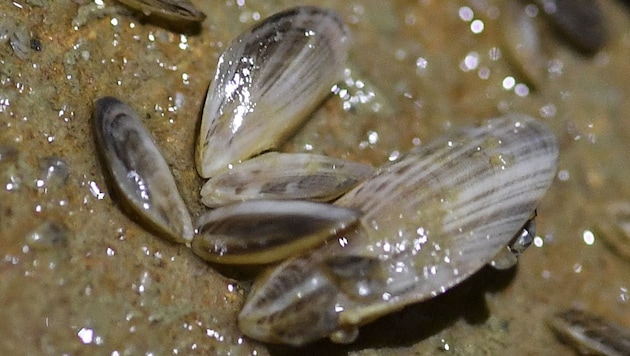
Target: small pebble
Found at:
36, 44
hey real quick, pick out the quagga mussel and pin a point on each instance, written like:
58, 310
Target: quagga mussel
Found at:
405, 233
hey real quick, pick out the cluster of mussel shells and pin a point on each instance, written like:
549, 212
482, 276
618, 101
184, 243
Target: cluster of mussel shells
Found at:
393, 236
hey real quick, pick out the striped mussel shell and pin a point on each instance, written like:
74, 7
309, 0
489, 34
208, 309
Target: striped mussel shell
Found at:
264, 231
429, 221
267, 82
176, 15
590, 334
137, 173
284, 176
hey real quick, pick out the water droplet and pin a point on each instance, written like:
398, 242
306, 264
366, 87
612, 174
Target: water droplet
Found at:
623, 295
476, 27
86, 335
502, 161
54, 172
466, 13
96, 191
470, 62
508, 83
48, 235
588, 237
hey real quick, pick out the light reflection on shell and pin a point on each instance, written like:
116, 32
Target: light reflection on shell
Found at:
179, 15
430, 221
267, 82
137, 172
284, 176
264, 231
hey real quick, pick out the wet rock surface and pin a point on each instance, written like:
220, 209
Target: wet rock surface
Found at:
101, 283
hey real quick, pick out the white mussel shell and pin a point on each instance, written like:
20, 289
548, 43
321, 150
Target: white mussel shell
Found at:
267, 82
264, 231
430, 220
137, 172
284, 176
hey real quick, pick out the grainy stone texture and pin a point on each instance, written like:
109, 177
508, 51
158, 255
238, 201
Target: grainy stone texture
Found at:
113, 288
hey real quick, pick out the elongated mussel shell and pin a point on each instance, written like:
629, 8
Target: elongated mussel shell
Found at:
137, 172
267, 81
264, 231
179, 15
613, 226
284, 176
430, 220
581, 22
523, 42
591, 334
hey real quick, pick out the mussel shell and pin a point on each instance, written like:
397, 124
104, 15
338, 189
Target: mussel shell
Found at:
137, 173
524, 43
507, 257
178, 15
265, 231
613, 226
581, 22
591, 334
430, 220
284, 176
267, 82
